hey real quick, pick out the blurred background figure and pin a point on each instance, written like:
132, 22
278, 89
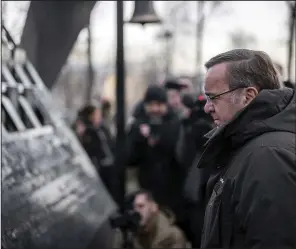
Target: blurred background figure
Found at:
283, 82
97, 142
195, 125
174, 92
280, 71
108, 119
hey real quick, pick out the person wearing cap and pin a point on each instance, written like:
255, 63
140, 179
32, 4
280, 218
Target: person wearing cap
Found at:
151, 146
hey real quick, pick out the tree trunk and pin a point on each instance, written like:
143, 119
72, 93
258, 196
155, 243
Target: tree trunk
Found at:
90, 71
50, 32
292, 27
199, 37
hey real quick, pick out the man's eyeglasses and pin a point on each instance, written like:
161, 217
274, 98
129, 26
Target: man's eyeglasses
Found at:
212, 97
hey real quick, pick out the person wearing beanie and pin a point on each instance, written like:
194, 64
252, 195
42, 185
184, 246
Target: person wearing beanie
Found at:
155, 93
155, 101
151, 145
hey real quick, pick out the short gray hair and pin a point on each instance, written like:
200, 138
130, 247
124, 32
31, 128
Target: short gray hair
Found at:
247, 68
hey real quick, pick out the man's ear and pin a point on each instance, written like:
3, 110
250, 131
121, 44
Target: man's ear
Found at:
154, 207
251, 93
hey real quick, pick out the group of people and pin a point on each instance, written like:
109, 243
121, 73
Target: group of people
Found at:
164, 138
221, 163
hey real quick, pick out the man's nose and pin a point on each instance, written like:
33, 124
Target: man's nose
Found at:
208, 107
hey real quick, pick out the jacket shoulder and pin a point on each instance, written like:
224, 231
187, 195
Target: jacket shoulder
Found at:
169, 235
261, 150
173, 238
281, 139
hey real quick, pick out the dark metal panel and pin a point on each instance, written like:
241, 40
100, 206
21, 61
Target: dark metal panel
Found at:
48, 199
51, 194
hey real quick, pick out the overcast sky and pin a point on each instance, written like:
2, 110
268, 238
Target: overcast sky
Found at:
266, 20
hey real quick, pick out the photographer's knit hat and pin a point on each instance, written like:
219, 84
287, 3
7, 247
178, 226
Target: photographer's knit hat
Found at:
155, 93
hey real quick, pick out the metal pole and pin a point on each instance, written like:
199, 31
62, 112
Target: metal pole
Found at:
120, 108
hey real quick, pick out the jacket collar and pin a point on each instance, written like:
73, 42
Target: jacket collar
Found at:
264, 114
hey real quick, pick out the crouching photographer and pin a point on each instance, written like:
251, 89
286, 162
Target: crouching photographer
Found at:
145, 226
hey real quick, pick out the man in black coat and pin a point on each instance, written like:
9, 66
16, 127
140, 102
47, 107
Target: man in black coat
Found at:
252, 189
151, 146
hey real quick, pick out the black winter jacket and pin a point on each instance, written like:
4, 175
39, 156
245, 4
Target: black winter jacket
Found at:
252, 189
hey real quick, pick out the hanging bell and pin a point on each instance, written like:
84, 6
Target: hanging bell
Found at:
144, 13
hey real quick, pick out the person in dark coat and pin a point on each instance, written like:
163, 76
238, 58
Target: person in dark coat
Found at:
190, 146
251, 192
98, 143
151, 147
195, 124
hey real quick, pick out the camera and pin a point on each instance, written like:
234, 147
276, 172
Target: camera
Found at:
130, 220
155, 125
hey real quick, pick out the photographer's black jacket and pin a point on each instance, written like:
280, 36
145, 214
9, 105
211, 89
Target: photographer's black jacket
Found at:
252, 190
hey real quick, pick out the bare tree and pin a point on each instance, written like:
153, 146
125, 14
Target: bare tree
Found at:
173, 25
291, 40
90, 70
241, 39
200, 27
152, 69
185, 22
